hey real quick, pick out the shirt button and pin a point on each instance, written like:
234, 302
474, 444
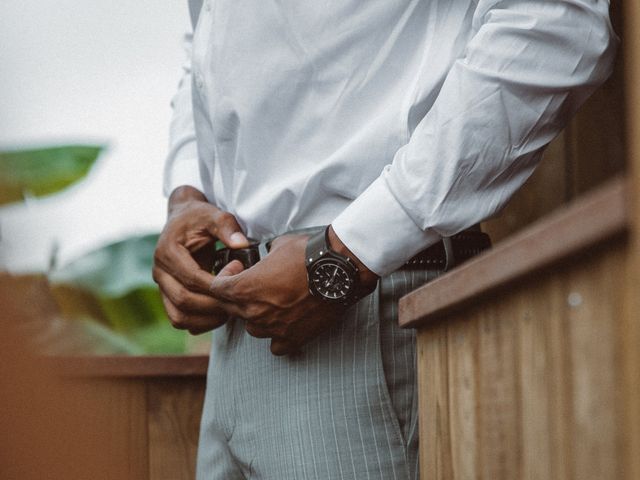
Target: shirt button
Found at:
207, 6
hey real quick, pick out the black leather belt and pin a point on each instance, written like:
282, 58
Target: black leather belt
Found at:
444, 255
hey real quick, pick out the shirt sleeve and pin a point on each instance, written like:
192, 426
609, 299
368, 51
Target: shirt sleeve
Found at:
181, 164
526, 69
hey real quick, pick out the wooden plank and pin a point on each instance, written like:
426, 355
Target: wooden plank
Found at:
498, 447
541, 350
532, 390
592, 219
435, 461
462, 352
42, 436
550, 308
129, 366
630, 323
594, 300
114, 413
175, 408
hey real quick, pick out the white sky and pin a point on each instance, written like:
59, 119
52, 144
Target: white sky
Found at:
85, 71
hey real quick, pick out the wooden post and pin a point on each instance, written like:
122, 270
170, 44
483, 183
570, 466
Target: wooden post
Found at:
631, 313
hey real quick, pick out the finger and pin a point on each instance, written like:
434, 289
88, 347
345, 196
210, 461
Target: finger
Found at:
225, 227
194, 323
222, 286
281, 346
178, 262
256, 331
183, 299
234, 267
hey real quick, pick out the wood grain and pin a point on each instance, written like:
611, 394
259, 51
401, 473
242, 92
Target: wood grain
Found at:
462, 357
174, 419
593, 219
531, 389
115, 414
594, 301
540, 348
498, 408
129, 366
629, 326
433, 384
595, 150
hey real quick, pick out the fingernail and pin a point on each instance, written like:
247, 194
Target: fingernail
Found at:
238, 238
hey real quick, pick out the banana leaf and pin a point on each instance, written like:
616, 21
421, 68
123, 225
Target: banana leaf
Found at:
43, 171
113, 287
113, 270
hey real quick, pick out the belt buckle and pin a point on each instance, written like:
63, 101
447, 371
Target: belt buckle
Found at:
248, 256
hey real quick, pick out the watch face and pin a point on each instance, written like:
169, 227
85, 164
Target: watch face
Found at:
331, 280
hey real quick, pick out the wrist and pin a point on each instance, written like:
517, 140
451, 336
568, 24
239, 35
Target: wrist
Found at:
367, 277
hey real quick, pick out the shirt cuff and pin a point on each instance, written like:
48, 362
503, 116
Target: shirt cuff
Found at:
377, 230
182, 169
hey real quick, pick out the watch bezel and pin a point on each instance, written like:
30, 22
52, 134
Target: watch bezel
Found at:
319, 253
345, 265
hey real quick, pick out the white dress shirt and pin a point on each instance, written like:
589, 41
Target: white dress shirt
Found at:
397, 121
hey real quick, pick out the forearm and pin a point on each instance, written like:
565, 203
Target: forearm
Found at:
527, 68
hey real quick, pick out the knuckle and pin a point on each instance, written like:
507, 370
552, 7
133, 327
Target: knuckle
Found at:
225, 217
254, 311
178, 321
157, 256
188, 281
226, 221
181, 299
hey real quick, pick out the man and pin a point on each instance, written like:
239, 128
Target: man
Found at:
395, 124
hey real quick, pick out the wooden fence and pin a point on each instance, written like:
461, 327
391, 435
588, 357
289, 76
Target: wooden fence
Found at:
145, 412
529, 356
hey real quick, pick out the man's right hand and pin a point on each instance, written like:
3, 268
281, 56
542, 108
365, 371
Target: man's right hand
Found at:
184, 255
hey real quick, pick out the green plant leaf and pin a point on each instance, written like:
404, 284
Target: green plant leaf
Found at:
112, 270
43, 171
113, 287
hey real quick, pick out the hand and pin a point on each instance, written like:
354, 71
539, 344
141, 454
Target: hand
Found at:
273, 296
273, 299
183, 259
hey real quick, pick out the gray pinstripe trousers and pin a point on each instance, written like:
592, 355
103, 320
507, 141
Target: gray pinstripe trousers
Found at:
346, 408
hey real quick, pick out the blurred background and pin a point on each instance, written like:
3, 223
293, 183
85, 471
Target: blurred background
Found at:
85, 107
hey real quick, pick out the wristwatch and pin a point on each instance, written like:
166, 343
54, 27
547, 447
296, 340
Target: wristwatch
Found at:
332, 277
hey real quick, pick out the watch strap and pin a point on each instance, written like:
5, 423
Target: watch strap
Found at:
317, 246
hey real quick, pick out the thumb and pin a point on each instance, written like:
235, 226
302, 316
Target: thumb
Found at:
234, 267
225, 227
222, 285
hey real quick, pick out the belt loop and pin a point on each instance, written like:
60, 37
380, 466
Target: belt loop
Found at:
448, 252
263, 249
